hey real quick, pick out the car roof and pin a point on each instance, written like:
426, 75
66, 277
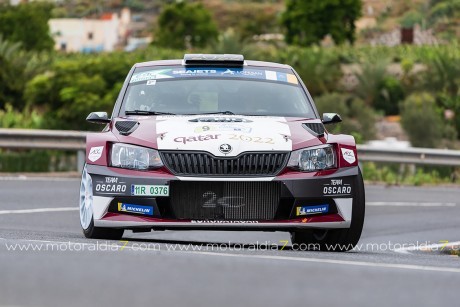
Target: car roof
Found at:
180, 63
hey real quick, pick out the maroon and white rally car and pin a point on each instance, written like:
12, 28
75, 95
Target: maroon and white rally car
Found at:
216, 142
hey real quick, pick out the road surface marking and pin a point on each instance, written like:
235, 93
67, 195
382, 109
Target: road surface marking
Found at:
410, 204
440, 246
39, 210
32, 178
286, 258
345, 262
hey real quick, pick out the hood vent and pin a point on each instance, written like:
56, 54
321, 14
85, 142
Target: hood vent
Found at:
317, 129
126, 127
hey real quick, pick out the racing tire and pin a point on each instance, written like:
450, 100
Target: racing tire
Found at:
337, 240
86, 213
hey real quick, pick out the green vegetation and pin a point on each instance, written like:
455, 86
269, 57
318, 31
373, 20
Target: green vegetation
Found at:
395, 174
308, 22
27, 24
358, 120
185, 25
36, 161
63, 89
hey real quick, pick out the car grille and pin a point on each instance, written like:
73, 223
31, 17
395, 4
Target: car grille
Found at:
225, 201
203, 163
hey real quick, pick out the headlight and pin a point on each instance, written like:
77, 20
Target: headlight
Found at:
313, 159
134, 157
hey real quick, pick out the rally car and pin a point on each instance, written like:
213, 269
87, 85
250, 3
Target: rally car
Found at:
217, 142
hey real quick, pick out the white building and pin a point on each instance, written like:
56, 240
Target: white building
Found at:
90, 35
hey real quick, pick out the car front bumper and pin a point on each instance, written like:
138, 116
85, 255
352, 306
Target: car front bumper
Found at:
187, 206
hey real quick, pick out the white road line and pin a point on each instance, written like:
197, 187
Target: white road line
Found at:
39, 210
437, 247
343, 262
410, 204
284, 258
32, 178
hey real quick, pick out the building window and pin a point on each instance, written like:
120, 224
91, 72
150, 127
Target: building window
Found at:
90, 35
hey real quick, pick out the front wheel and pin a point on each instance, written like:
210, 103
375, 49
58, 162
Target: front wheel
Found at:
86, 213
337, 240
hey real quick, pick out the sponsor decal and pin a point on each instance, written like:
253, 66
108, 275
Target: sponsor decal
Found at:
270, 75
292, 79
348, 155
150, 75
200, 138
223, 222
225, 149
95, 153
146, 210
307, 210
199, 134
220, 119
149, 190
223, 127
194, 72
247, 73
157, 74
110, 185
212, 200
228, 71
337, 187
253, 139
151, 82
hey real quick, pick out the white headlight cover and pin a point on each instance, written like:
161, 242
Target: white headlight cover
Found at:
313, 159
134, 157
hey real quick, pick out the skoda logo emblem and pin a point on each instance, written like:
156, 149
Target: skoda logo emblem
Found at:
225, 149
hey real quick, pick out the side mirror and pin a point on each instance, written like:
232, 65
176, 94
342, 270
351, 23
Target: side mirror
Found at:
98, 118
331, 118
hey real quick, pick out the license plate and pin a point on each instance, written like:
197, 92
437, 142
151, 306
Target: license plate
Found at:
149, 190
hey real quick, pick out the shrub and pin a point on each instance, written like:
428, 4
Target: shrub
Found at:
358, 119
420, 120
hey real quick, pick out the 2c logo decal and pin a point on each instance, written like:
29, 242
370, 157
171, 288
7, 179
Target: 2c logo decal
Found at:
212, 201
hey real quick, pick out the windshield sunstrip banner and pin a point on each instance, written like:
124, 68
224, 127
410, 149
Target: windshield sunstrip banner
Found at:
182, 72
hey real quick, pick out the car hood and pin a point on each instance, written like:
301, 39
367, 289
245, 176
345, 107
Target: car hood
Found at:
221, 135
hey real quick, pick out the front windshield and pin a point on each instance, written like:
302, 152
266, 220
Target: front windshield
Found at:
245, 93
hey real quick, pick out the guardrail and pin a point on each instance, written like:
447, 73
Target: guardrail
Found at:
46, 139
75, 141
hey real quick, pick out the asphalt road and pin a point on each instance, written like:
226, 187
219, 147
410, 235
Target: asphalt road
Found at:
175, 268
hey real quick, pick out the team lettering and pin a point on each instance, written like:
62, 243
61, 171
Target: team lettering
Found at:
116, 188
337, 190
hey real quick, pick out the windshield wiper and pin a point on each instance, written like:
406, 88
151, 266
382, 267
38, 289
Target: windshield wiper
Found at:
142, 112
214, 113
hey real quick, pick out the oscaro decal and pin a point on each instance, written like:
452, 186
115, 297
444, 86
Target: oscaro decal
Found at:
95, 153
200, 138
114, 188
337, 187
348, 155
